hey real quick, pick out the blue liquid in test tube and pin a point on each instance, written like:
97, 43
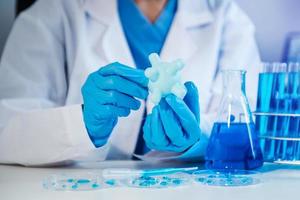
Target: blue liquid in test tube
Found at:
294, 128
279, 93
272, 99
265, 88
281, 104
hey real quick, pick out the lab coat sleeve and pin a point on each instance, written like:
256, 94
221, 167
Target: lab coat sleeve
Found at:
238, 50
36, 128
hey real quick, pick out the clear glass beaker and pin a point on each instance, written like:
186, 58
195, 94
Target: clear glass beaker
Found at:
234, 143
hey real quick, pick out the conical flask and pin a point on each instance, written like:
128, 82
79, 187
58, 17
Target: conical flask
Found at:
233, 143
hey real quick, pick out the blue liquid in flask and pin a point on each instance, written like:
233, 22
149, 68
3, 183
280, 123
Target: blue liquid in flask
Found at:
233, 147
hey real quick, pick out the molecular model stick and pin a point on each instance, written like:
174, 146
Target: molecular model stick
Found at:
164, 79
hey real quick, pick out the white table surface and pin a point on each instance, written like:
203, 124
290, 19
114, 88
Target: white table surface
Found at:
22, 183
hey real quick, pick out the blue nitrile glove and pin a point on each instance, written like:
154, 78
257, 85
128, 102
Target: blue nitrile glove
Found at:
110, 93
173, 125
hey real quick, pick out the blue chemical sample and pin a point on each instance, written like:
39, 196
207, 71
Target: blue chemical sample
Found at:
293, 147
280, 104
158, 181
271, 99
70, 180
145, 181
75, 186
265, 104
163, 183
74, 182
177, 181
278, 100
111, 182
231, 147
236, 178
83, 181
95, 185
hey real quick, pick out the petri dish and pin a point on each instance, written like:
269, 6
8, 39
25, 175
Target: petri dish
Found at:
157, 181
77, 182
227, 178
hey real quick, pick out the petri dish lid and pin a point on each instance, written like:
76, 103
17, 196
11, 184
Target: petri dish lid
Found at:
77, 182
157, 181
227, 178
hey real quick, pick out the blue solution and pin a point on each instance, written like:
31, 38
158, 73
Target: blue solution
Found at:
95, 185
271, 99
145, 181
279, 93
228, 179
230, 148
280, 104
111, 182
157, 181
265, 94
289, 105
293, 147
83, 181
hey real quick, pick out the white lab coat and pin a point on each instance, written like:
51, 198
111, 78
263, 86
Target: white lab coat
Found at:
56, 44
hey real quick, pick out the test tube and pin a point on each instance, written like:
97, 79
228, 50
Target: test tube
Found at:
279, 94
294, 126
263, 102
278, 105
265, 88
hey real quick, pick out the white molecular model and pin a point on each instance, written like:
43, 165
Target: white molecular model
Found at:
164, 79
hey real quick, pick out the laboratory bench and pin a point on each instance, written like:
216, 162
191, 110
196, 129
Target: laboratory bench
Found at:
17, 182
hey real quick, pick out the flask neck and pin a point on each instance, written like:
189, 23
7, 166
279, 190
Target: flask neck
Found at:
234, 82
234, 104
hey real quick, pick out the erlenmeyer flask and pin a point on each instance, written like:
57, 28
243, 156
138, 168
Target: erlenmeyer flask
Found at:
234, 143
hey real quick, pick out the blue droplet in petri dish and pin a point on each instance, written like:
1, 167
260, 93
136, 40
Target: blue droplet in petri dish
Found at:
143, 184
166, 178
83, 181
145, 181
234, 178
163, 183
177, 181
74, 187
95, 185
110, 182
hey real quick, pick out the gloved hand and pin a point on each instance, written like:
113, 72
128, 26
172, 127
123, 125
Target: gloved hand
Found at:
173, 124
110, 93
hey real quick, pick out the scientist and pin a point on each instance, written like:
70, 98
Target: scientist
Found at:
72, 85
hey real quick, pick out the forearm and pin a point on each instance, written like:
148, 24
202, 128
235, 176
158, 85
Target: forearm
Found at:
47, 136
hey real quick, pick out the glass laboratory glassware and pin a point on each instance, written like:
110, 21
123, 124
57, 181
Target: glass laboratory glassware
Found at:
234, 143
278, 113
270, 99
233, 149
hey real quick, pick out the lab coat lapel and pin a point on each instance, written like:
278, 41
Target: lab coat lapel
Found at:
178, 43
191, 14
114, 43
115, 48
